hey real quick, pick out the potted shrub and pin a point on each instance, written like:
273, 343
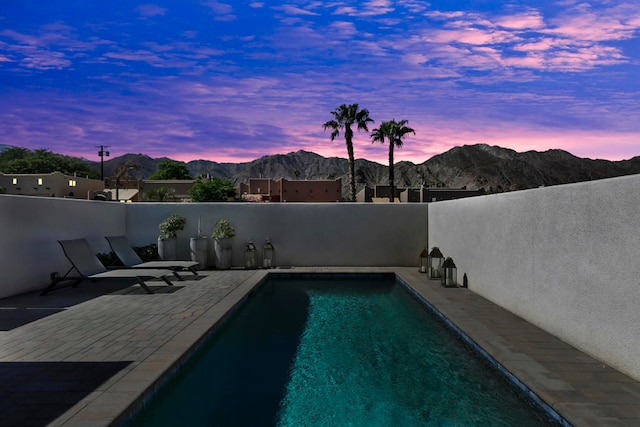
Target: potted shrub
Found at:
168, 238
223, 231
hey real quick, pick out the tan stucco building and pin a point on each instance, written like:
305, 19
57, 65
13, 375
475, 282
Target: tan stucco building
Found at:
55, 184
284, 190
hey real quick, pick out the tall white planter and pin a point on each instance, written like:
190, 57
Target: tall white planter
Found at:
199, 249
168, 249
222, 253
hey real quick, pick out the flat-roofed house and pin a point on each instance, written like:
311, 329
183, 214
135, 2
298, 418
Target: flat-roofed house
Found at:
54, 184
292, 191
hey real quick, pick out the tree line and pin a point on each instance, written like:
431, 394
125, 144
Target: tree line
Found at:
22, 160
391, 131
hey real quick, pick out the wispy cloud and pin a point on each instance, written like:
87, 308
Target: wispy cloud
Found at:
294, 10
367, 8
265, 75
147, 10
574, 41
222, 11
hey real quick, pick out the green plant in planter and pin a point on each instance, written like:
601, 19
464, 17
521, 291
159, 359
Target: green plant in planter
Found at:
171, 225
223, 229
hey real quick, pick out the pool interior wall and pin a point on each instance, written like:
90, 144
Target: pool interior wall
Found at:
273, 364
535, 399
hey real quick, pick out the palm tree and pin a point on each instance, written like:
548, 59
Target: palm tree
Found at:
343, 117
161, 194
394, 132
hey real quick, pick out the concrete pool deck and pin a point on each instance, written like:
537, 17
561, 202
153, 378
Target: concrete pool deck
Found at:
82, 357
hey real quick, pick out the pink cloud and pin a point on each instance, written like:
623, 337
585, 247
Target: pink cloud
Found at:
540, 45
605, 25
574, 41
526, 21
436, 14
473, 36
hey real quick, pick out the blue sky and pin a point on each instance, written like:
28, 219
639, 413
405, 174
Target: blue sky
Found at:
234, 81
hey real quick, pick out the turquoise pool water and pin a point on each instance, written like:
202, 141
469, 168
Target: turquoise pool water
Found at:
335, 352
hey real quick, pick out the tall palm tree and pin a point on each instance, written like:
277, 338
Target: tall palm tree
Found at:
394, 132
343, 117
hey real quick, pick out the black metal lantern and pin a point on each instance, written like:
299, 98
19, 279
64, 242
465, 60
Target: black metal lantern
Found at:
268, 255
250, 257
449, 273
424, 261
435, 263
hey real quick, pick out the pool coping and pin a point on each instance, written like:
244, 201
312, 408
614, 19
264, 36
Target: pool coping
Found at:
583, 390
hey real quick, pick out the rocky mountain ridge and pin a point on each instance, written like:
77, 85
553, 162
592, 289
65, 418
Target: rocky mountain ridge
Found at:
480, 166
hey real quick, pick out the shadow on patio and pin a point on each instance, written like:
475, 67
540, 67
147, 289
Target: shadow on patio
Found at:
22, 309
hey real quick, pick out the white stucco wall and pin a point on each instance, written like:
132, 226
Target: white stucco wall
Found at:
566, 258
30, 228
304, 234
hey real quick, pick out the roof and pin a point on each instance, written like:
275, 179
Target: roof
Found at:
123, 194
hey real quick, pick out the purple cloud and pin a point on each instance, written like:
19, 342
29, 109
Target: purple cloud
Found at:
228, 81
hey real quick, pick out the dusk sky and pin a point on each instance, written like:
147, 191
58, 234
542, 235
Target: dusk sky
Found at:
233, 81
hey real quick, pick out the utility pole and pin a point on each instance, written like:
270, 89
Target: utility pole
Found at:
102, 153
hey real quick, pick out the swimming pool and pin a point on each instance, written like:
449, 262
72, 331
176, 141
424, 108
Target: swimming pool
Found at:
336, 350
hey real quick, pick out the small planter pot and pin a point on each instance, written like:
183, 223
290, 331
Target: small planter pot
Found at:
168, 249
199, 249
222, 253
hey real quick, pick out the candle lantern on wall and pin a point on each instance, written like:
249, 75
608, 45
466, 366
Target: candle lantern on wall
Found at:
250, 256
449, 273
435, 263
268, 255
424, 261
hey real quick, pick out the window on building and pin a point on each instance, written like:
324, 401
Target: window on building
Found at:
14, 181
72, 183
39, 181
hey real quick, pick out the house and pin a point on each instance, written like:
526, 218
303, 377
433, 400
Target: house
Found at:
137, 190
380, 194
54, 184
284, 190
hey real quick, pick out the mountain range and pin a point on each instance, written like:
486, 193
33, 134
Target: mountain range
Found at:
480, 166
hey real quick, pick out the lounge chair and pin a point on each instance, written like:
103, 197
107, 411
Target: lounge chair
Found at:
124, 251
89, 267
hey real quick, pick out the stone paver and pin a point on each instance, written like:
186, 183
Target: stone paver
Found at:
85, 356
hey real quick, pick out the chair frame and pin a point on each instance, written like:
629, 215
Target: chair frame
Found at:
126, 273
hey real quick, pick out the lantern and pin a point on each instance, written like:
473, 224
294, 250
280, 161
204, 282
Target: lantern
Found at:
268, 255
449, 272
250, 256
435, 263
424, 264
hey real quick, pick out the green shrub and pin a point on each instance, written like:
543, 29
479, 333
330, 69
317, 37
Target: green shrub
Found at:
109, 259
171, 225
146, 253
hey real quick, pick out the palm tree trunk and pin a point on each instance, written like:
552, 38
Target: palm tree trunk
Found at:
352, 174
392, 188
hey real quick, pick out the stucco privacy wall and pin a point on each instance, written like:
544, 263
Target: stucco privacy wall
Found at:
304, 234
565, 258
30, 226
